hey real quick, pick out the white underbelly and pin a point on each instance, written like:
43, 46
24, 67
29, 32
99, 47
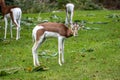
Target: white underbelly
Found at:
51, 34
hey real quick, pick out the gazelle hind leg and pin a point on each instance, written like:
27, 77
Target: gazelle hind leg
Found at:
16, 16
67, 18
71, 17
19, 27
17, 33
6, 24
11, 28
34, 53
34, 50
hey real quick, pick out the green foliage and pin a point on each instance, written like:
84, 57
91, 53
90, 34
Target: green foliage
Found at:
34, 6
91, 6
79, 4
9, 2
87, 5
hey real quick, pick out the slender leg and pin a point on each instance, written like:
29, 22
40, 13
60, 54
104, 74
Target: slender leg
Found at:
67, 17
34, 51
11, 28
19, 28
63, 50
6, 23
17, 23
17, 33
60, 50
71, 16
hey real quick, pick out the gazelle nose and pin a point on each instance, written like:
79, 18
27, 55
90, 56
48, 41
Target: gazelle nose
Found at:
75, 34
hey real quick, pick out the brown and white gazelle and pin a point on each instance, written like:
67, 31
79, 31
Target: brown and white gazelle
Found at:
14, 13
69, 13
51, 29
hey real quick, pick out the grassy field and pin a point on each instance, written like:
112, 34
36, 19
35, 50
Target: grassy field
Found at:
93, 55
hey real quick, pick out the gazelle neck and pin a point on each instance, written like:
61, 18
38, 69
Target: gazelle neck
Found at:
3, 6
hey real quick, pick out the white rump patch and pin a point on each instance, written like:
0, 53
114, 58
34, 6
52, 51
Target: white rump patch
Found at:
70, 7
17, 13
35, 31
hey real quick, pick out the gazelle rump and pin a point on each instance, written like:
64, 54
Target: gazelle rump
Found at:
69, 13
14, 13
50, 29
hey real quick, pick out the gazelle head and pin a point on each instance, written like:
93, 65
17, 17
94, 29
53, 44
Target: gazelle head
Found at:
75, 28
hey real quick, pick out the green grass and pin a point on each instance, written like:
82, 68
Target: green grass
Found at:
93, 55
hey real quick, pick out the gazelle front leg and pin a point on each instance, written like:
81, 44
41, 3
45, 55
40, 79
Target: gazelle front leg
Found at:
61, 50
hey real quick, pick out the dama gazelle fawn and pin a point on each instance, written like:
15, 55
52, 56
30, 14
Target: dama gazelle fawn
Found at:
69, 13
14, 13
51, 29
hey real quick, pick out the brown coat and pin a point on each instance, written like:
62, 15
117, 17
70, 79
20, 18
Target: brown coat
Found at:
56, 27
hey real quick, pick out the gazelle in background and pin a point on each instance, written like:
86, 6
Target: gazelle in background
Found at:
14, 13
49, 29
69, 13
69, 17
